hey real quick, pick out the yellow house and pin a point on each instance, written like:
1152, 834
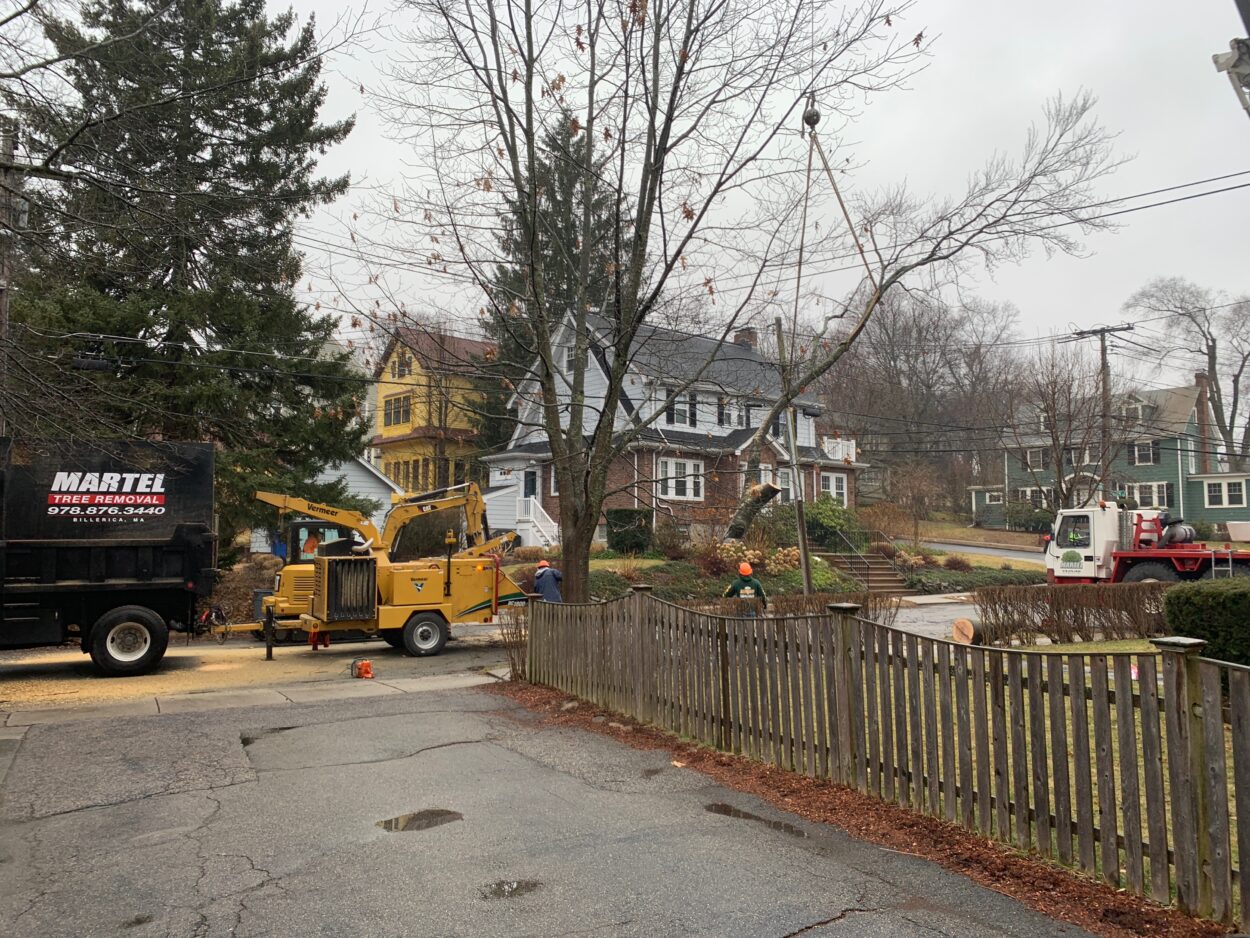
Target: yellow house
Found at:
425, 435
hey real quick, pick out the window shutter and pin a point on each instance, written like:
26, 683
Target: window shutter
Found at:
670, 411
1154, 452
693, 404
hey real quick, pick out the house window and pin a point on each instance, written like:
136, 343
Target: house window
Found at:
762, 474
1132, 413
1151, 494
1044, 423
458, 472
1033, 458
1075, 456
1146, 454
570, 360
681, 479
1193, 456
555, 483
722, 411
692, 410
388, 412
1226, 494
783, 481
993, 498
833, 484
747, 419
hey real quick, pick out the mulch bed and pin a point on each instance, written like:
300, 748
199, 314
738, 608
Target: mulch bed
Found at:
1053, 890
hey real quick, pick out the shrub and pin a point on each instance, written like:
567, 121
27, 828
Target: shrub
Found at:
774, 526
669, 540
1067, 613
957, 563
529, 554
629, 530
781, 560
712, 561
1217, 612
885, 549
1204, 530
949, 581
826, 519
1022, 516
607, 584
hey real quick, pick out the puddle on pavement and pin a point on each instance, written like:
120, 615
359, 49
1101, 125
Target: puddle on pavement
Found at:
507, 888
729, 810
420, 820
251, 737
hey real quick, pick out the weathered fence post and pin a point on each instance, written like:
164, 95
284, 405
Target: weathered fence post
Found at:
1182, 700
644, 641
844, 684
539, 659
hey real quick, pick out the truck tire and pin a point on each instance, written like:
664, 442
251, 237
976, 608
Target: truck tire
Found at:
1151, 572
424, 634
128, 640
393, 637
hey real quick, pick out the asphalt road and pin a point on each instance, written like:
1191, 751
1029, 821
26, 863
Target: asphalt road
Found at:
63, 677
253, 822
1031, 556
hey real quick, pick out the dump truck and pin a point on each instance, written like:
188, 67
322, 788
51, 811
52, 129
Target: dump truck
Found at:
1116, 543
106, 544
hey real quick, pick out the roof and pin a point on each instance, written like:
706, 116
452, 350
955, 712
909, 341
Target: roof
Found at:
437, 351
664, 354
1172, 407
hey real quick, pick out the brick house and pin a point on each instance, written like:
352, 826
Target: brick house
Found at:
688, 465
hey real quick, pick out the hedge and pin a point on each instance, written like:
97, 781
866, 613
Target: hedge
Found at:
629, 530
932, 580
1217, 611
1067, 613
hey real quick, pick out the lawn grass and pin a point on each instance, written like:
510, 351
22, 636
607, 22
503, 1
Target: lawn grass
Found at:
950, 530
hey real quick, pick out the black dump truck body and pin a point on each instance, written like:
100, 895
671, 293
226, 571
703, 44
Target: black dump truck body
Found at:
107, 543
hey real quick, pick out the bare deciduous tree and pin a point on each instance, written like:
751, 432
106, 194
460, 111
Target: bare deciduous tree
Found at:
1215, 329
1056, 430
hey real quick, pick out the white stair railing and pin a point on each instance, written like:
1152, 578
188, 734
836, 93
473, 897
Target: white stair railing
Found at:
531, 511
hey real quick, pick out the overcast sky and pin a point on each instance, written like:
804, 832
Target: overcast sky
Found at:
993, 65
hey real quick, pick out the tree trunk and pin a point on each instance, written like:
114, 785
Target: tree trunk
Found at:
575, 541
754, 499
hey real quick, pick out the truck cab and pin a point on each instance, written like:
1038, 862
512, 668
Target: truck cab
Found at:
1116, 543
1082, 544
293, 584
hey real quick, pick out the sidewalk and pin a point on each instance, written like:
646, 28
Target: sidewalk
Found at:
280, 695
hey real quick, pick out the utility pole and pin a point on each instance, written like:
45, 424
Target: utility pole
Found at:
8, 201
1105, 372
796, 471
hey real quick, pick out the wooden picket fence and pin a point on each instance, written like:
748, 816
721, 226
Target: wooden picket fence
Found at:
1132, 767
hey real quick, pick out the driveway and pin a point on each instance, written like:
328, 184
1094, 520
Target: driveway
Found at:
282, 822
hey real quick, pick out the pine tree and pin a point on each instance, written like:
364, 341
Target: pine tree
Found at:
561, 195
181, 243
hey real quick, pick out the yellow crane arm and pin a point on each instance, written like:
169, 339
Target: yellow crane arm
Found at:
467, 496
345, 516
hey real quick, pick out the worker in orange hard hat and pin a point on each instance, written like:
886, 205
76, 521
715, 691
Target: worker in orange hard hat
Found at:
547, 582
746, 586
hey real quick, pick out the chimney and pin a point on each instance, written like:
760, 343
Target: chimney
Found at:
1203, 408
747, 337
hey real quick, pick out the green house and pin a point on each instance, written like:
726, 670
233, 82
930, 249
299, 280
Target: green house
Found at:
1164, 454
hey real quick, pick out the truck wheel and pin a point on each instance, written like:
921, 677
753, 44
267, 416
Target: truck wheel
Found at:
1151, 573
128, 640
425, 634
